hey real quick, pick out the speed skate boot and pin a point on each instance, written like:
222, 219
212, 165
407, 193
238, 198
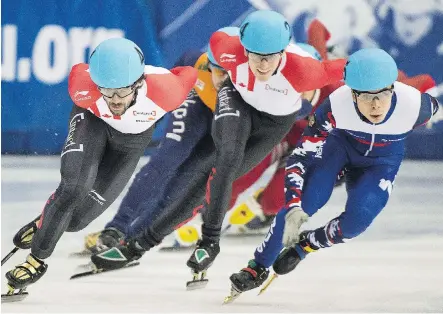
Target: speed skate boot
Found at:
100, 241
250, 277
118, 256
201, 259
91, 242
23, 238
26, 273
290, 257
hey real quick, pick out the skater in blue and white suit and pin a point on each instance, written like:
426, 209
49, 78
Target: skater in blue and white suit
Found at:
361, 127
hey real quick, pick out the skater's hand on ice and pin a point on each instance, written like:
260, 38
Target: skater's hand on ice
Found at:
293, 221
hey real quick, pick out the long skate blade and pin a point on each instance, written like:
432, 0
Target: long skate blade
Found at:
196, 284
198, 281
81, 254
176, 248
232, 297
100, 271
16, 297
268, 283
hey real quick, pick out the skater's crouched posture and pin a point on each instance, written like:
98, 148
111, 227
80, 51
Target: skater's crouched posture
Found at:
362, 127
117, 102
255, 109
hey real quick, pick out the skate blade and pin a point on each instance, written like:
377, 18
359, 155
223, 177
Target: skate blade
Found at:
96, 271
268, 283
198, 281
196, 284
174, 248
231, 298
81, 254
14, 297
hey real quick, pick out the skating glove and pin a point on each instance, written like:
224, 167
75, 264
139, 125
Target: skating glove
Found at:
293, 221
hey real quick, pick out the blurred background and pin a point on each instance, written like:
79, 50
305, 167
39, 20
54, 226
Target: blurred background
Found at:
42, 39
394, 267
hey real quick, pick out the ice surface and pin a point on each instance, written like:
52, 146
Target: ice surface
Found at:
395, 266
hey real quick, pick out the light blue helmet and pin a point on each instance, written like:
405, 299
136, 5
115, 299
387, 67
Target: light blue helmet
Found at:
116, 63
265, 32
370, 69
311, 50
232, 31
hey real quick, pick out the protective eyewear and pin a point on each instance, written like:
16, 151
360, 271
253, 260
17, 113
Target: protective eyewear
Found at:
256, 57
368, 96
121, 92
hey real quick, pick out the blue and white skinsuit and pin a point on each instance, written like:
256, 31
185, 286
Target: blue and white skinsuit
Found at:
340, 137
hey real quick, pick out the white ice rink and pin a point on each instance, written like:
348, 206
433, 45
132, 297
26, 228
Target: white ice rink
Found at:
396, 266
